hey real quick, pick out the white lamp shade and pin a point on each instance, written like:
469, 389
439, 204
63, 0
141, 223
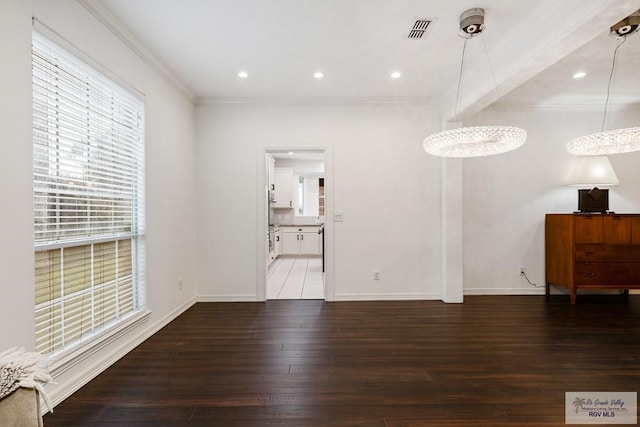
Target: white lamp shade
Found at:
593, 171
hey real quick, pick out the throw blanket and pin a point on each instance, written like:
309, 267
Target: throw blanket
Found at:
19, 368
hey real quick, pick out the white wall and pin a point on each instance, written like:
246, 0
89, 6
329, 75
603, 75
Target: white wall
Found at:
507, 196
385, 184
16, 215
170, 179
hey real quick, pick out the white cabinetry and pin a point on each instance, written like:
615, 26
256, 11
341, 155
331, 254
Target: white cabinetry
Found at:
290, 242
283, 188
310, 242
271, 171
301, 240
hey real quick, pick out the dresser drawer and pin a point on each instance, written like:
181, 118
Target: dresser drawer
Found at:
605, 273
608, 253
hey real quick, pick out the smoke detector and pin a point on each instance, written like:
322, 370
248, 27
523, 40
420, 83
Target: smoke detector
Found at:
627, 26
472, 22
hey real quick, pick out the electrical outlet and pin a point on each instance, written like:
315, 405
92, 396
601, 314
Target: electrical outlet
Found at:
376, 275
522, 273
180, 284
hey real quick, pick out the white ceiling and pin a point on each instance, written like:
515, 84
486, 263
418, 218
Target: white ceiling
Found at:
534, 47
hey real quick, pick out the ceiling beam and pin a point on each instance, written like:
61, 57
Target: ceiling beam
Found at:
567, 27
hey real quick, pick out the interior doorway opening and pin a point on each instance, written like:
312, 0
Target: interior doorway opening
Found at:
296, 191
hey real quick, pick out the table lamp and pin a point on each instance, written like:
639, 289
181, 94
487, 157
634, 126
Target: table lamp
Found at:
593, 172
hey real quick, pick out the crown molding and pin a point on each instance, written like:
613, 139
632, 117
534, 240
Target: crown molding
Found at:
113, 24
586, 108
309, 100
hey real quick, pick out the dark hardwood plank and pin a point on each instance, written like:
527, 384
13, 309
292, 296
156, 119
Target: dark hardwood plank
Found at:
494, 361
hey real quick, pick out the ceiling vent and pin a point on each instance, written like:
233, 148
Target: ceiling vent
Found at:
419, 28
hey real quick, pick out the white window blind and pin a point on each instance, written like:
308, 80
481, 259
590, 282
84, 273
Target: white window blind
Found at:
88, 178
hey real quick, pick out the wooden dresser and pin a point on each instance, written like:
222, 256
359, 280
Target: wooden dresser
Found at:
592, 251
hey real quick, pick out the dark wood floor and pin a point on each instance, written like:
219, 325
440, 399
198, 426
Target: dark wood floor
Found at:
494, 360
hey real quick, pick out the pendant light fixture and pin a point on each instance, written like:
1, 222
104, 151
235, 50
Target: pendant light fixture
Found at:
479, 140
617, 140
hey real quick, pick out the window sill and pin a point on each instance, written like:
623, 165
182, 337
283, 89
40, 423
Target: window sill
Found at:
67, 361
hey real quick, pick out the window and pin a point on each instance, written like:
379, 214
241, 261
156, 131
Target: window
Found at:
88, 179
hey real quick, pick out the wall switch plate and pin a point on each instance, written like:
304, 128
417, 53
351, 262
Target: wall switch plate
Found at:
337, 217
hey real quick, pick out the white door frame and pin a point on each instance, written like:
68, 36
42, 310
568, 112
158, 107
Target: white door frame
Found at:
261, 219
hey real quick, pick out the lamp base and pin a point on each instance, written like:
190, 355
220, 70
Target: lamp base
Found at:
594, 200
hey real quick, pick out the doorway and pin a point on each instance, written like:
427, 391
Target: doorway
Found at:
293, 277
295, 219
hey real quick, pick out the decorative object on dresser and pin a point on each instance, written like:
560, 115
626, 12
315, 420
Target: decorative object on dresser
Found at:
593, 172
592, 251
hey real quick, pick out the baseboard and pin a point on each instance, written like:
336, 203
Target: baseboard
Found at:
504, 291
386, 297
227, 298
338, 297
124, 346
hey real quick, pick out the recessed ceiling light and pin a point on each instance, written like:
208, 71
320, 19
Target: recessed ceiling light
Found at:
318, 75
243, 74
579, 75
396, 75
291, 153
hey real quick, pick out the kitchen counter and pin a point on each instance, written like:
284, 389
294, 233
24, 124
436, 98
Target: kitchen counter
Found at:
302, 239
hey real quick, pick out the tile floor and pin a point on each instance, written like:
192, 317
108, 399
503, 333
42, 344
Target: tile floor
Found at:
295, 278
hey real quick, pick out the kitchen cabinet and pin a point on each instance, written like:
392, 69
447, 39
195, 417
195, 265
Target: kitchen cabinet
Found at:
301, 240
283, 190
278, 243
592, 251
271, 162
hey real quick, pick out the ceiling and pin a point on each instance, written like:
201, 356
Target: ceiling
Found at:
533, 48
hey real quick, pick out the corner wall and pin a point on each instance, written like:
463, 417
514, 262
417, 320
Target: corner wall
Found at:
170, 181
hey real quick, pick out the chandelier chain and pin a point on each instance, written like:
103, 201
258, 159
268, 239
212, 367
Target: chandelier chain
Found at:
474, 141
493, 74
610, 84
460, 78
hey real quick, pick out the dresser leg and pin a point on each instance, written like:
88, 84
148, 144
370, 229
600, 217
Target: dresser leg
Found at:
626, 294
547, 291
573, 296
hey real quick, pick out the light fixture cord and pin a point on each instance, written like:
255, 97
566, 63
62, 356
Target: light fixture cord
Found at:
464, 48
493, 74
610, 85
